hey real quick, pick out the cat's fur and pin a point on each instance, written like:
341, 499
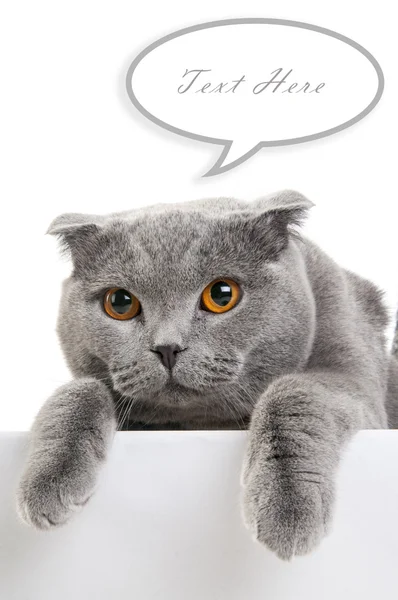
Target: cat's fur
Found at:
301, 358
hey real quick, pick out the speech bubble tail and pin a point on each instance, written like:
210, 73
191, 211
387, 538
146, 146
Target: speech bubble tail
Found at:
234, 154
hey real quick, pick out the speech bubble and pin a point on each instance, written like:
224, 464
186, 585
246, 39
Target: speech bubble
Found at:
252, 83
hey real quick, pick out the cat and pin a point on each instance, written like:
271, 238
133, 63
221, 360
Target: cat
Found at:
213, 314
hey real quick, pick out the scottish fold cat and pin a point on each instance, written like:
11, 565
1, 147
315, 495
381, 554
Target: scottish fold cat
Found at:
213, 314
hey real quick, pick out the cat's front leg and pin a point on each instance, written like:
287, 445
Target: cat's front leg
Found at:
69, 442
297, 432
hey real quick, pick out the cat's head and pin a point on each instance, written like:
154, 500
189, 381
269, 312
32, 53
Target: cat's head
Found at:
193, 306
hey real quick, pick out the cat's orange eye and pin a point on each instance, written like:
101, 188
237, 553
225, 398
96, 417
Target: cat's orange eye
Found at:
220, 295
120, 304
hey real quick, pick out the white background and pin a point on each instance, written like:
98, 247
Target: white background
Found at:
72, 141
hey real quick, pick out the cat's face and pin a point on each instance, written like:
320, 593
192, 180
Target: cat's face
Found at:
164, 258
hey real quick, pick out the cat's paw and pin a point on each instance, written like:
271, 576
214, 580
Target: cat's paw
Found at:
285, 506
49, 495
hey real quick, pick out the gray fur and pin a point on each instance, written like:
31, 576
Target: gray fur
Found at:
69, 441
395, 343
301, 359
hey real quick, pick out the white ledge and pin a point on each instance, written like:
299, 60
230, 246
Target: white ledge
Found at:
165, 524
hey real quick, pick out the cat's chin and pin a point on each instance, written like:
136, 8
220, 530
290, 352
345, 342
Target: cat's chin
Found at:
178, 392
172, 394
175, 394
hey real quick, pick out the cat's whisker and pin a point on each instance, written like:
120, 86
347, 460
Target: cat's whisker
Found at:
119, 406
122, 418
123, 411
154, 413
235, 415
127, 412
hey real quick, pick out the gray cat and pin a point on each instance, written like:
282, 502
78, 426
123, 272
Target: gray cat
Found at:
213, 314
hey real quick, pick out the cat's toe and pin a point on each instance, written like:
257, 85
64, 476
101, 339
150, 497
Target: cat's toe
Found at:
32, 514
289, 515
45, 503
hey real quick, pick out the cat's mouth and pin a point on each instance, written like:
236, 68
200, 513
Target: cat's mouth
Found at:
173, 385
163, 384
181, 385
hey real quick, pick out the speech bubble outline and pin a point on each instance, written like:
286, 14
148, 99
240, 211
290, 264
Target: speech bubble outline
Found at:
218, 166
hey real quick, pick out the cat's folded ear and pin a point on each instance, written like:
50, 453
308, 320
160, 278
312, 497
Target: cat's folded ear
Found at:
72, 223
287, 205
273, 219
76, 233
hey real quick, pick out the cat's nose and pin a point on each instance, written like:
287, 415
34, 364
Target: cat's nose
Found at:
168, 354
